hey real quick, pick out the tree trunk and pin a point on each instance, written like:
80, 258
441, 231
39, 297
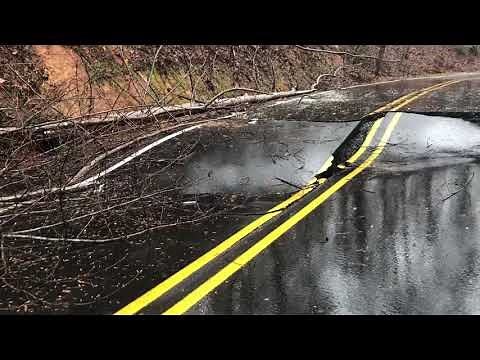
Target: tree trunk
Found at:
403, 61
381, 53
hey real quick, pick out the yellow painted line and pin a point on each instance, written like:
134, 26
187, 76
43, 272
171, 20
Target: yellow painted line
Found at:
200, 292
448, 83
181, 275
147, 298
412, 94
404, 100
393, 103
156, 292
186, 303
366, 142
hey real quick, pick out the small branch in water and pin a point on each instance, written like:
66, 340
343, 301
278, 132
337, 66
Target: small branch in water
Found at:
259, 214
289, 183
123, 237
137, 273
463, 188
368, 191
143, 197
28, 293
45, 238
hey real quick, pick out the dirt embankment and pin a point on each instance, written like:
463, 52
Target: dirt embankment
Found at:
46, 81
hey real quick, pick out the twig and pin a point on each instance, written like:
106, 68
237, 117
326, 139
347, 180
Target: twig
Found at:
123, 237
151, 71
99, 158
94, 213
317, 82
255, 70
4, 259
320, 77
274, 83
45, 238
368, 191
26, 292
289, 183
88, 182
342, 53
113, 292
463, 188
31, 88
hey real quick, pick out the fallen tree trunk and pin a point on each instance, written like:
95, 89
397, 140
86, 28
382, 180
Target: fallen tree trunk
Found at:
230, 90
251, 99
151, 112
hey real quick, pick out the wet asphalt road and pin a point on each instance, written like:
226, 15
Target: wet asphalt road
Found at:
292, 151
401, 238
394, 240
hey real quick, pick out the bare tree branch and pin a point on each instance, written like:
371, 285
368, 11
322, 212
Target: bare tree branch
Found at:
342, 53
320, 77
123, 237
100, 157
151, 71
91, 180
152, 111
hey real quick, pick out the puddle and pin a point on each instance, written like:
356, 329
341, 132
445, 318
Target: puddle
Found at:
293, 151
421, 141
397, 249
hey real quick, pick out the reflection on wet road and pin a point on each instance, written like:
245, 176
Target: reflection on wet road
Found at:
425, 141
399, 239
290, 150
393, 247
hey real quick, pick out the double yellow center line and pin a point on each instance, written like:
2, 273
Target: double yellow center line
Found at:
192, 298
200, 292
395, 105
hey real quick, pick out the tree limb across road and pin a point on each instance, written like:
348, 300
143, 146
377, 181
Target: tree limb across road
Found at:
230, 90
173, 110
